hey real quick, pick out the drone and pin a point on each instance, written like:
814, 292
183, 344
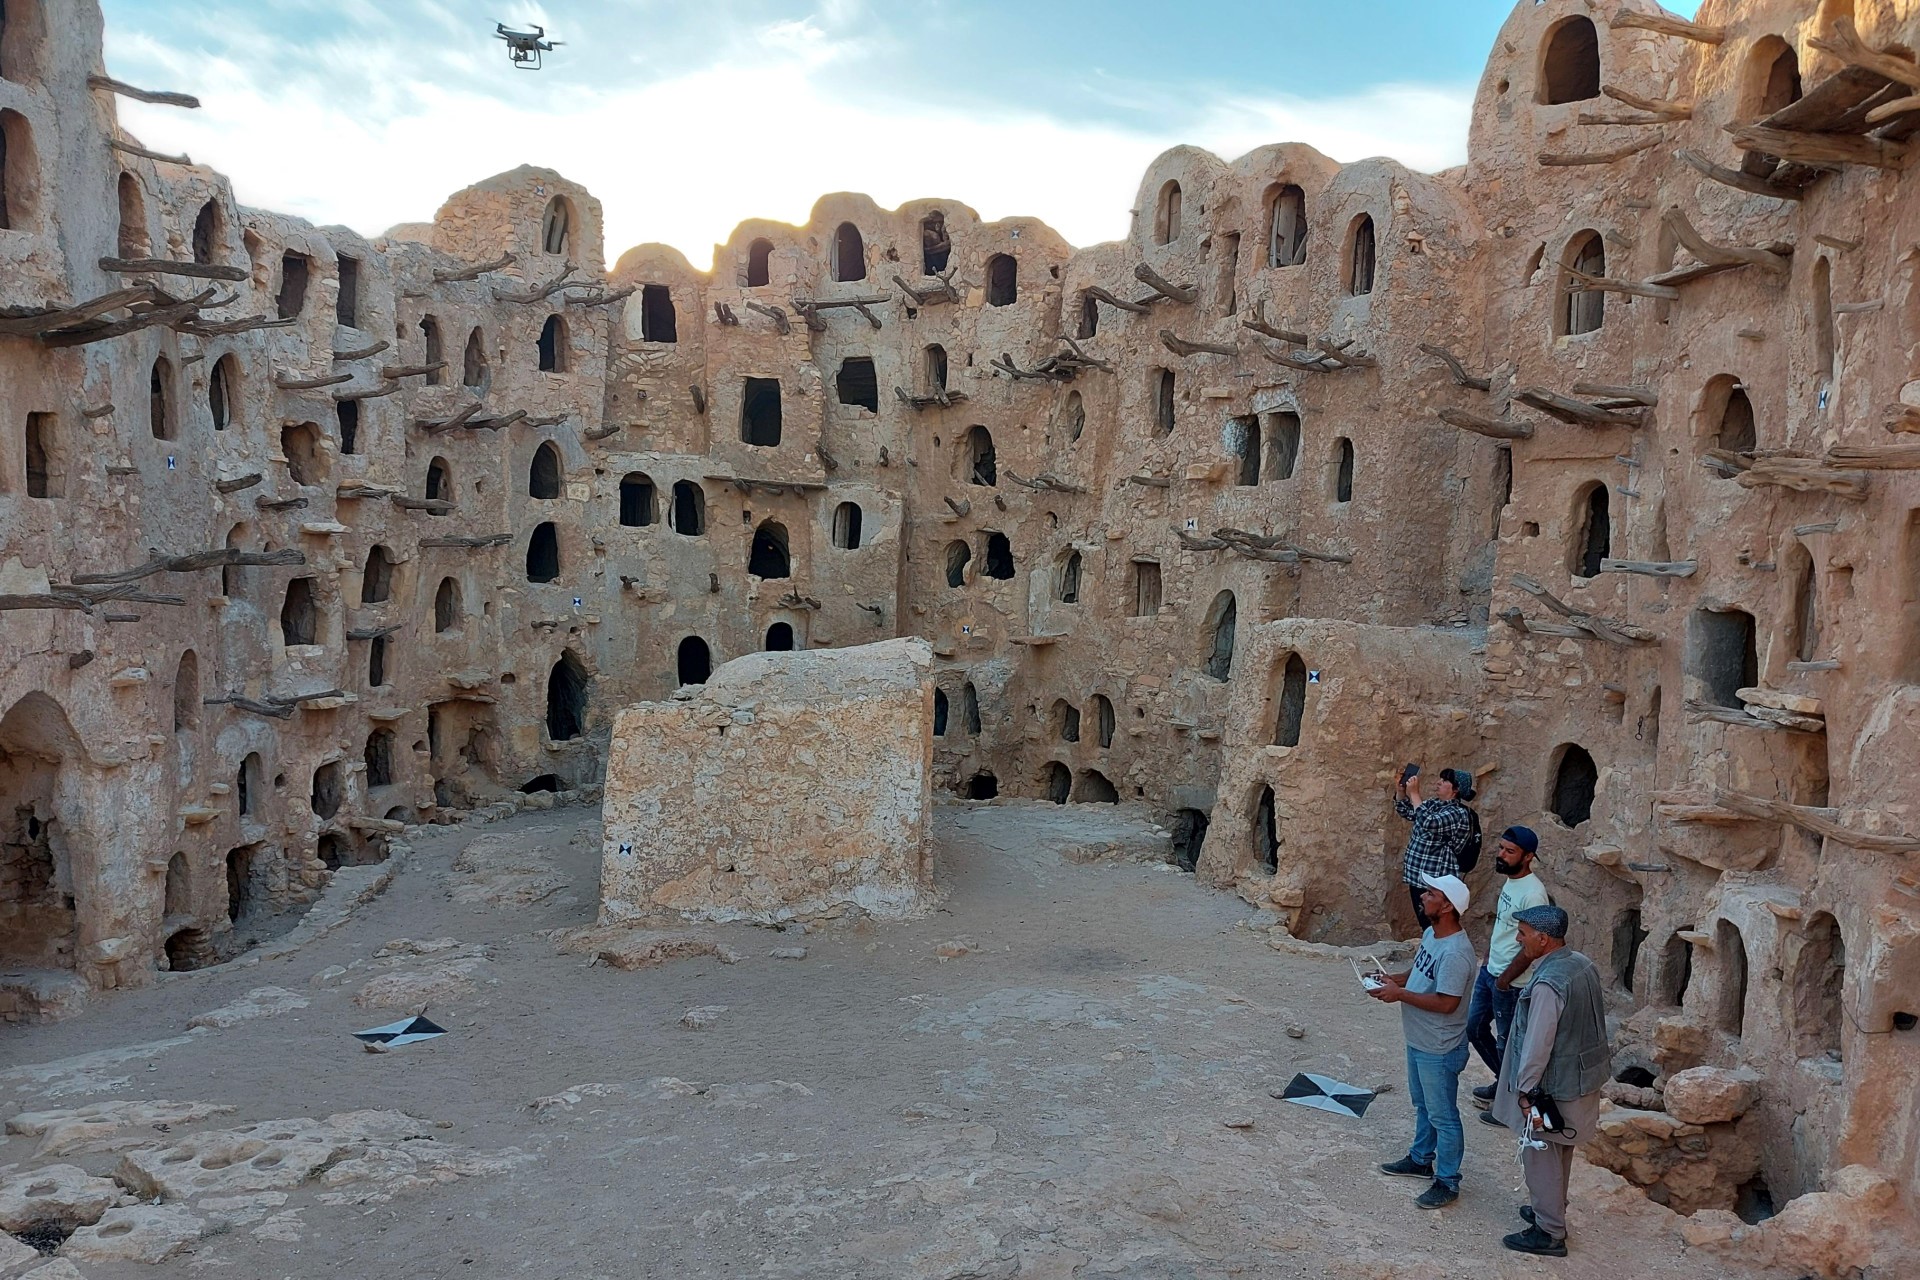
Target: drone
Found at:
525, 47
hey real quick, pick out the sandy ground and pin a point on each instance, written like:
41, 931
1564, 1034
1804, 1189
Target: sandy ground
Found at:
1049, 1104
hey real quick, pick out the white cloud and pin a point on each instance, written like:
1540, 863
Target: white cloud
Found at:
683, 159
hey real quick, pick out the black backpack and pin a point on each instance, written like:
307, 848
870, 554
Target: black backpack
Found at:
1469, 856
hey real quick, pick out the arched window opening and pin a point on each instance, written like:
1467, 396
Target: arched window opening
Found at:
296, 270
936, 247
658, 320
998, 560
1737, 433
689, 515
378, 758
939, 713
1067, 590
1073, 418
759, 256
179, 893
300, 445
1629, 934
1003, 280
1222, 620
1146, 588
760, 412
983, 786
1066, 720
1819, 989
849, 253
19, 173
1226, 278
1283, 444
1166, 214
473, 361
1582, 310
248, 785
377, 662
846, 526
769, 557
553, 345
693, 661
1825, 350
1343, 470
439, 481
1266, 832
543, 553
1723, 655
208, 232
1730, 950
46, 460
1773, 71
300, 613
858, 384
240, 883
970, 708
1570, 63
556, 227
566, 699
433, 354
1574, 778
1293, 702
1095, 788
983, 467
160, 399
346, 415
346, 301
1189, 838
636, 500
1803, 623
376, 580
1059, 782
1163, 402
1103, 720
220, 387
543, 476
1360, 257
1676, 970
1089, 316
134, 240
1244, 436
233, 577
1287, 227
1593, 534
446, 606
779, 638
958, 554
186, 693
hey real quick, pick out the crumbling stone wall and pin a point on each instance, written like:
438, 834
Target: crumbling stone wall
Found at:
1647, 547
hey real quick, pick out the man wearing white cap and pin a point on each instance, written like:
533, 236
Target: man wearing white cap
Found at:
1433, 1014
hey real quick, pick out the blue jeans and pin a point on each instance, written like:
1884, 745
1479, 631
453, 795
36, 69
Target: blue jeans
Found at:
1433, 1082
1490, 1018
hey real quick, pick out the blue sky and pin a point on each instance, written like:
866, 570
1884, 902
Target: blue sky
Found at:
686, 118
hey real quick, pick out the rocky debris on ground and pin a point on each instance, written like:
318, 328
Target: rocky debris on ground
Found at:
627, 948
58, 1269
106, 1126
1711, 1095
1687, 1167
261, 1002
452, 969
788, 953
136, 1233
740, 1095
1843, 1231
702, 1017
954, 948
506, 871
1237, 1122
1387, 950
58, 1193
1295, 1031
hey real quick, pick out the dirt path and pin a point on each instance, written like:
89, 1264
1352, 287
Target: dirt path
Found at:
1048, 1104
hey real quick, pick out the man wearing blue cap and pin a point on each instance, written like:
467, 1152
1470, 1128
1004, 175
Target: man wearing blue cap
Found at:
1496, 987
1550, 1079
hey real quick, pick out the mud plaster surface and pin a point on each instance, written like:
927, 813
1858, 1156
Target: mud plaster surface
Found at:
1046, 1103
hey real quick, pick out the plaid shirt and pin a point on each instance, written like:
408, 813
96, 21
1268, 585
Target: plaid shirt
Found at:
1440, 828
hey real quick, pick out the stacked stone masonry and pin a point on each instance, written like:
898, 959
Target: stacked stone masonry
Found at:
1323, 468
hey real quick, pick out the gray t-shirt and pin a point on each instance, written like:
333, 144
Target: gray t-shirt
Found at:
1445, 965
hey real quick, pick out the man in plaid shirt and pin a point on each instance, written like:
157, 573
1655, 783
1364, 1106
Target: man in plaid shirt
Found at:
1440, 829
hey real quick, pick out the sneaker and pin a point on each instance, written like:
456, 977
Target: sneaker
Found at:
1408, 1167
1437, 1196
1483, 1096
1534, 1240
1486, 1117
1526, 1214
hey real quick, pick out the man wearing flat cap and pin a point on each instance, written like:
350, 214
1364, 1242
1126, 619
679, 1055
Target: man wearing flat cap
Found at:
1557, 1059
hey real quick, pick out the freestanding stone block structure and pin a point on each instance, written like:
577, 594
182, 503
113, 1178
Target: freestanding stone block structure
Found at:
791, 784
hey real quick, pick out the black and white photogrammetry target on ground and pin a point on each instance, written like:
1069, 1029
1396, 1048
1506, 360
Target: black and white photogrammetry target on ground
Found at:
1328, 1094
405, 1031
